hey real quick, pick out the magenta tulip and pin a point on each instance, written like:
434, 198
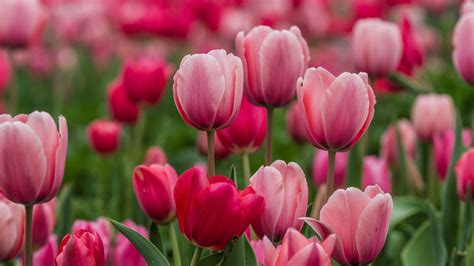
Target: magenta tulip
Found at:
155, 155
295, 125
465, 174
121, 107
432, 114
102, 227
104, 136
81, 248
320, 168
443, 147
463, 39
44, 219
45, 256
12, 228
388, 141
5, 71
375, 172
207, 89
125, 254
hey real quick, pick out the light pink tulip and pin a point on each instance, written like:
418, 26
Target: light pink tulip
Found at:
44, 219
388, 141
320, 168
45, 256
12, 228
285, 191
443, 147
336, 110
465, 174
32, 157
360, 220
295, 125
155, 155
273, 60
208, 88
376, 172
101, 226
125, 254
376, 46
264, 251
432, 114
463, 40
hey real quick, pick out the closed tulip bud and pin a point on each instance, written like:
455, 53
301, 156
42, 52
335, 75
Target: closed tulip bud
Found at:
273, 60
5, 71
45, 256
360, 220
81, 248
155, 155
44, 219
145, 79
12, 228
376, 46
104, 136
432, 114
375, 172
320, 168
204, 205
246, 133
102, 227
32, 157
220, 150
207, 89
125, 253
295, 125
336, 110
464, 174
22, 22
154, 186
388, 141
443, 147
284, 188
264, 251
413, 52
122, 108
463, 53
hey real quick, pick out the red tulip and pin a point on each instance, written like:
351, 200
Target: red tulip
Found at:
44, 219
375, 172
5, 71
443, 146
122, 108
81, 248
432, 114
388, 141
273, 60
32, 157
155, 155
102, 227
220, 150
104, 135
465, 174
12, 228
208, 89
212, 211
463, 53
125, 254
413, 52
45, 256
295, 125
154, 186
246, 133
320, 168
336, 110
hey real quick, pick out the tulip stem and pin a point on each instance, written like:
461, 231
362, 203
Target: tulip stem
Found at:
268, 138
29, 235
246, 165
196, 256
330, 177
433, 183
174, 245
211, 159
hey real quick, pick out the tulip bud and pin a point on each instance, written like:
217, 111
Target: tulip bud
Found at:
104, 136
45, 255
264, 251
220, 150
154, 186
295, 125
122, 108
81, 248
463, 52
32, 157
273, 60
102, 227
432, 114
5, 71
376, 46
155, 155
207, 89
204, 205
443, 147
44, 219
320, 168
336, 110
284, 188
125, 253
388, 141
376, 172
12, 228
413, 52
464, 174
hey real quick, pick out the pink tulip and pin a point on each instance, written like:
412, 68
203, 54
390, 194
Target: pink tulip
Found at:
463, 39
264, 251
104, 135
336, 110
432, 114
246, 133
81, 248
22, 22
360, 220
5, 71
465, 174
388, 141
285, 191
154, 186
32, 157
102, 227
376, 46
44, 219
376, 172
12, 228
320, 168
121, 107
125, 254
273, 60
443, 145
207, 89
45, 256
155, 155
295, 125
220, 150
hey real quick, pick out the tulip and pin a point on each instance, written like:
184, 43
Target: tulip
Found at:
102, 227
212, 211
360, 220
432, 114
375, 172
45, 255
81, 248
220, 150
264, 251
284, 188
125, 254
320, 168
5, 71
12, 229
443, 147
376, 46
154, 186
22, 22
463, 54
155, 155
44, 219
294, 124
104, 136
413, 52
145, 79
122, 108
464, 174
388, 141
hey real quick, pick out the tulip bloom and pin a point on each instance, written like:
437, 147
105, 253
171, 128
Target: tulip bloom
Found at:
155, 155
388, 141
443, 147
246, 133
145, 79
375, 172
122, 108
264, 251
212, 211
285, 191
5, 71
376, 46
336, 110
320, 168
432, 114
44, 219
295, 125
464, 174
154, 186
207, 89
125, 254
101, 226
360, 220
201, 144
463, 38
273, 60
104, 136
45, 256
12, 229
32, 157
81, 248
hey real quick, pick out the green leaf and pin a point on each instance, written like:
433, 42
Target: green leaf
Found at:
64, 211
437, 236
155, 237
417, 251
354, 166
404, 208
150, 252
241, 254
233, 175
212, 259
470, 254
402, 170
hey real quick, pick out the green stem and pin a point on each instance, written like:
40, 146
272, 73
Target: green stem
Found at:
268, 138
433, 181
472, 129
196, 256
404, 82
246, 165
174, 245
330, 177
211, 157
29, 235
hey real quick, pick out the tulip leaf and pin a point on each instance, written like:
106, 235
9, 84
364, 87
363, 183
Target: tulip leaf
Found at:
241, 254
470, 254
150, 252
404, 208
402, 170
437, 236
417, 252
155, 236
64, 211
211, 259
233, 175
354, 165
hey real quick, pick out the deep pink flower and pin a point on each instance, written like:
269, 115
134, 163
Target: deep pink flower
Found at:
443, 145
44, 219
81, 248
125, 253
102, 227
104, 135
45, 256
121, 107
155, 155
388, 141
320, 168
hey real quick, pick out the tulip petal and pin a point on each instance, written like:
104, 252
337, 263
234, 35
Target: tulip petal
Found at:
61, 153
293, 241
310, 255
